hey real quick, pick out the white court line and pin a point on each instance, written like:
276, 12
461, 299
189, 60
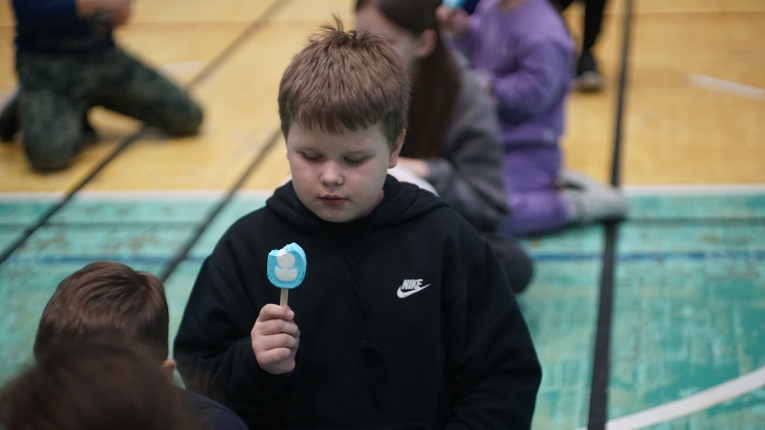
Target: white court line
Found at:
182, 68
174, 195
694, 190
263, 194
636, 190
727, 87
691, 404
31, 197
160, 195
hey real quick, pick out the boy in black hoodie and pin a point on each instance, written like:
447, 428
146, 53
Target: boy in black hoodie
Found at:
404, 319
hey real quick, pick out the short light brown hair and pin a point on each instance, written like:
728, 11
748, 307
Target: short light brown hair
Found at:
106, 299
345, 80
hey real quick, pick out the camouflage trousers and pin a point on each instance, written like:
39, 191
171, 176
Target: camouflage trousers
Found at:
57, 89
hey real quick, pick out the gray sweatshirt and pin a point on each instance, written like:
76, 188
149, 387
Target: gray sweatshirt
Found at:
468, 175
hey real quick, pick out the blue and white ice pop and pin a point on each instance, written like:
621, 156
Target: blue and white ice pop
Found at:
286, 269
453, 4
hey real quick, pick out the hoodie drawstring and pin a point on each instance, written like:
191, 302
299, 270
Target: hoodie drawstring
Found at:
371, 355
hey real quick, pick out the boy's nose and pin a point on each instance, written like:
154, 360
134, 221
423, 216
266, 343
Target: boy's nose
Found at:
331, 176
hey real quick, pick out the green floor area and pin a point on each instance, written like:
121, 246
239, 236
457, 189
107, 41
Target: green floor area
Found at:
689, 309
144, 234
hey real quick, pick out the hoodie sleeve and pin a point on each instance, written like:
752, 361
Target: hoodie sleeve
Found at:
497, 372
469, 175
213, 347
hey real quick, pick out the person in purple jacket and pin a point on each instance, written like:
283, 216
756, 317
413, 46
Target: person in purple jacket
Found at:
67, 62
525, 56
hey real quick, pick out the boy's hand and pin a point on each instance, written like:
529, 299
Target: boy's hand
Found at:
275, 339
452, 21
117, 11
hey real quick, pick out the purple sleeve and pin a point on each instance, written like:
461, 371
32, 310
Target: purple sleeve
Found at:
47, 15
544, 71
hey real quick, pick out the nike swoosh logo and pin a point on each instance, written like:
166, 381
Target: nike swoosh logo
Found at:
402, 294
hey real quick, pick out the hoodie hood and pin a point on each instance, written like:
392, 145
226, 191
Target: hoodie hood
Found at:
401, 202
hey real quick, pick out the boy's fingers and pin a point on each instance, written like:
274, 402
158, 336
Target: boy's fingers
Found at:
275, 326
271, 311
277, 341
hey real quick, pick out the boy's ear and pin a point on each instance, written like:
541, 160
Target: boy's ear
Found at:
426, 43
168, 367
393, 157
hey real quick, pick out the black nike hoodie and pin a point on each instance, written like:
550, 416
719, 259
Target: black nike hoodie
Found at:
406, 322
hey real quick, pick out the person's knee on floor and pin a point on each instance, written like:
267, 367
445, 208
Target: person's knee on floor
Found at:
88, 58
48, 153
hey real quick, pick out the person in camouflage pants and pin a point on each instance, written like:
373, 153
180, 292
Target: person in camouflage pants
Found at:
60, 78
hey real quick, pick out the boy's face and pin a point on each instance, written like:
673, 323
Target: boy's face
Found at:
340, 177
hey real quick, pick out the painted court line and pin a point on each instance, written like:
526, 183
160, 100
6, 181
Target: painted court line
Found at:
633, 190
151, 195
183, 67
117, 196
31, 197
655, 256
691, 404
597, 414
695, 189
727, 86
53, 259
128, 195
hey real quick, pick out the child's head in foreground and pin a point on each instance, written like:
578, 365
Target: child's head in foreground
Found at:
92, 385
343, 104
107, 299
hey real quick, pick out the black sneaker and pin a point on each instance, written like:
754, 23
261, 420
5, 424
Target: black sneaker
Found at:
588, 79
9, 118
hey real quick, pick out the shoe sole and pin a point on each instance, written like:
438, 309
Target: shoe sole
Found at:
590, 82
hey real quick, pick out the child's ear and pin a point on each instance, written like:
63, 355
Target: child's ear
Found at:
393, 158
168, 367
426, 43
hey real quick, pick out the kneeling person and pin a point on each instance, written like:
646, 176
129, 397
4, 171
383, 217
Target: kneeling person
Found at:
67, 62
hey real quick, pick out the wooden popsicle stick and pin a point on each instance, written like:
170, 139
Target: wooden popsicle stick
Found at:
283, 299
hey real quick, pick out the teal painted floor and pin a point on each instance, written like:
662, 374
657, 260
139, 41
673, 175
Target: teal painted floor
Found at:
689, 309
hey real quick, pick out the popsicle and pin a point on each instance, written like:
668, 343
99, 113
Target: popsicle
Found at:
286, 269
453, 4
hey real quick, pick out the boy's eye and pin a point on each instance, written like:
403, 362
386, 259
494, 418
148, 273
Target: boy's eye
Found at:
311, 158
355, 161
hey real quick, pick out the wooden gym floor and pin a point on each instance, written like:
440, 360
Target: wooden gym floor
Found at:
688, 324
